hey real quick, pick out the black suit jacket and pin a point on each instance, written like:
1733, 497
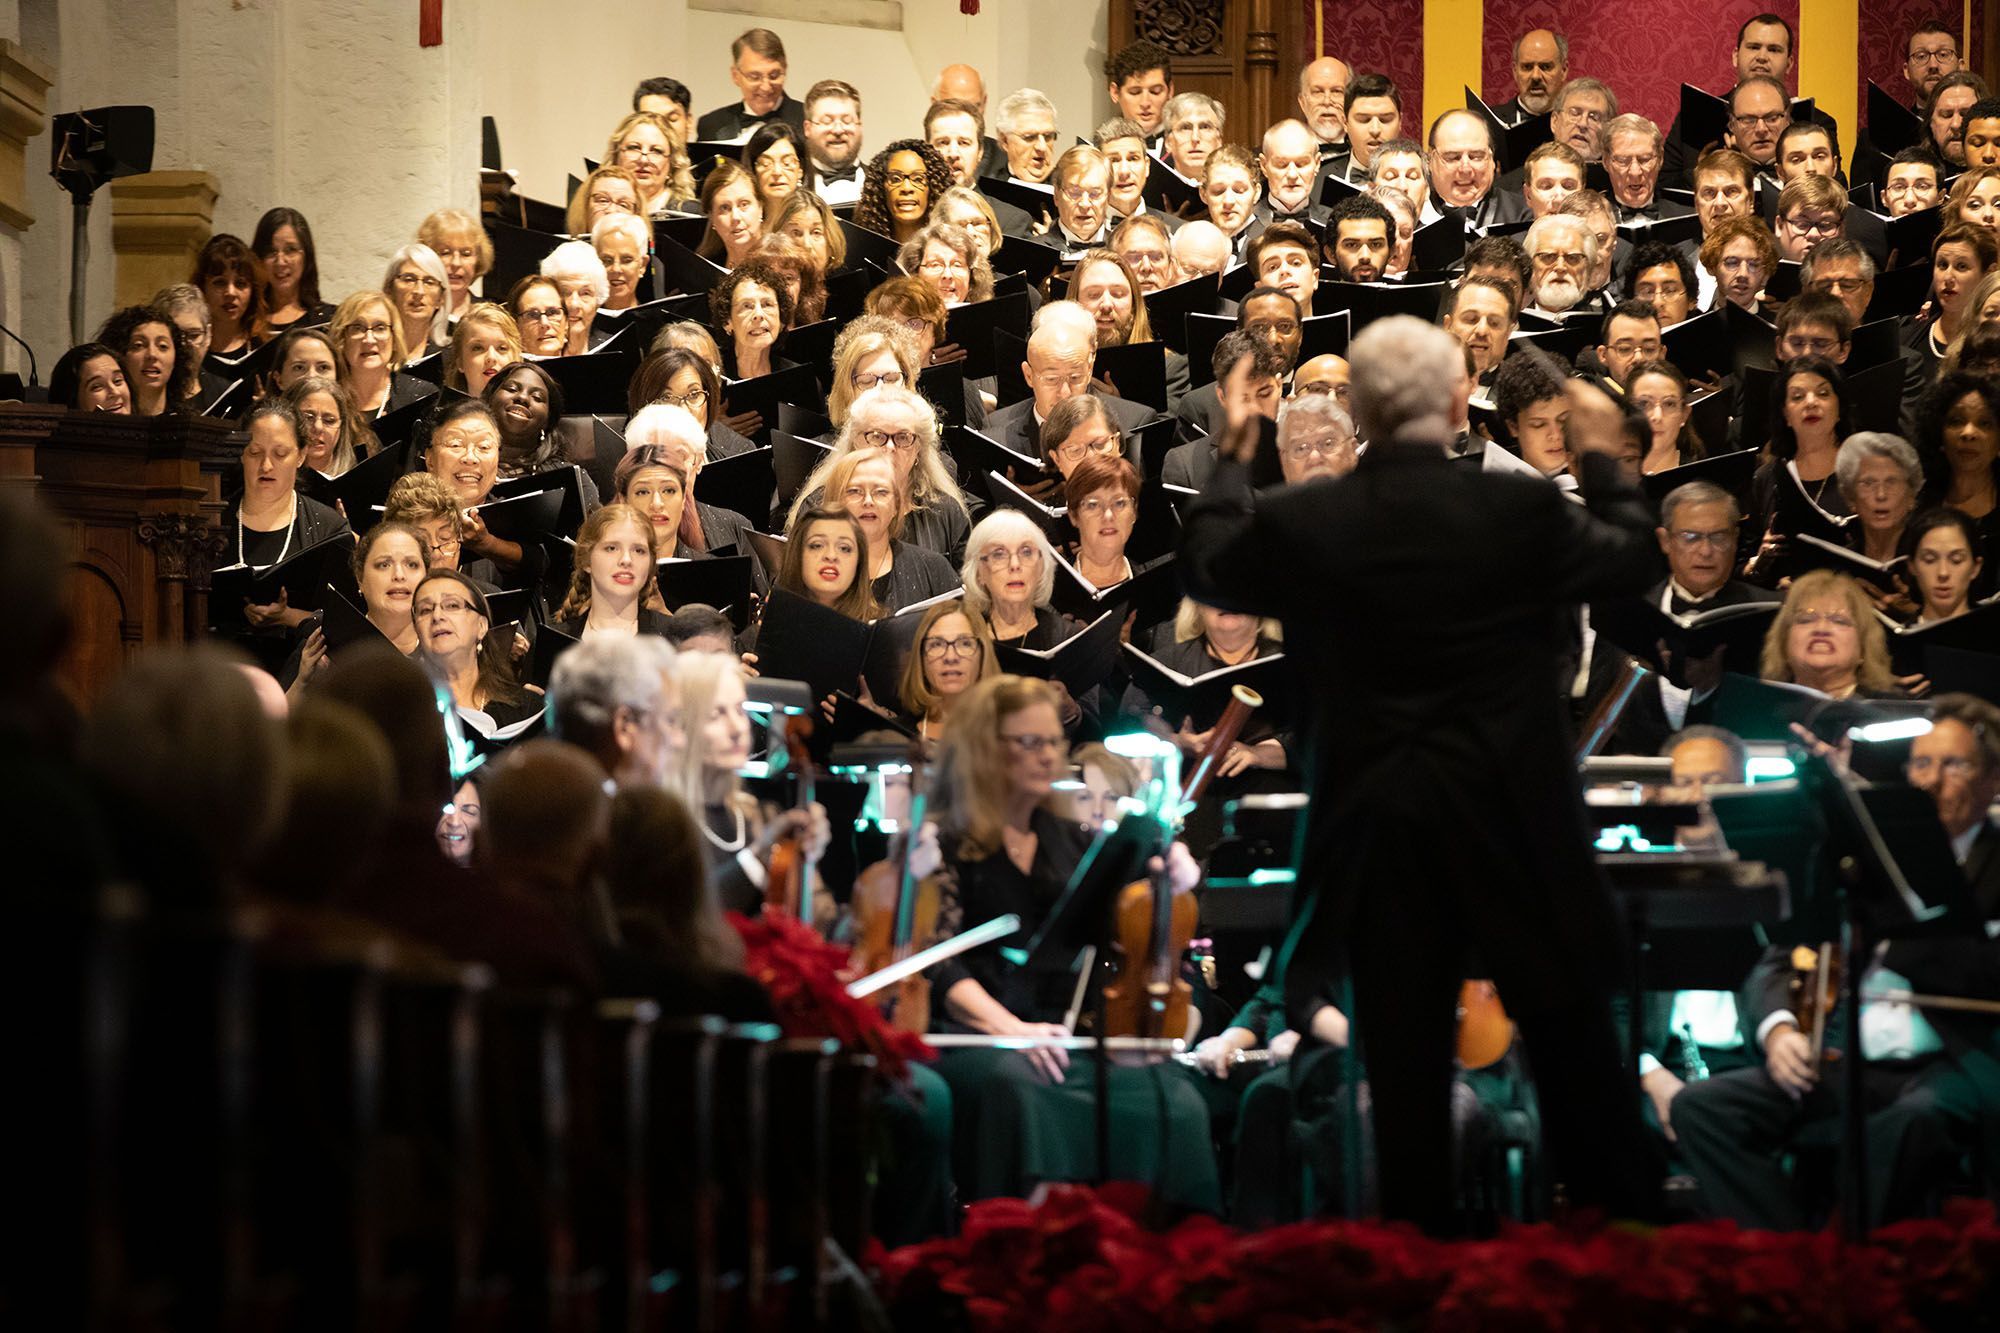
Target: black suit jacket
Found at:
728, 122
1643, 728
1014, 425
1425, 595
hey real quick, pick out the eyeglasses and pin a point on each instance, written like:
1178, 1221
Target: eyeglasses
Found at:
1654, 291
1567, 258
1799, 346
962, 646
1074, 450
1467, 157
409, 281
601, 200
1768, 119
1935, 56
692, 399
865, 380
937, 266
1582, 116
999, 557
368, 330
451, 606
542, 315
1819, 226
651, 152
442, 545
1078, 195
1627, 162
286, 252
1649, 349
1056, 379
875, 495
1118, 508
1045, 137
1027, 743
1921, 766
891, 439
1325, 445
835, 122
1831, 619
771, 79
891, 179
1720, 540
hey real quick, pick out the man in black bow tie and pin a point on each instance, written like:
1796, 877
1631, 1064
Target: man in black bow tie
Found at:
833, 139
758, 71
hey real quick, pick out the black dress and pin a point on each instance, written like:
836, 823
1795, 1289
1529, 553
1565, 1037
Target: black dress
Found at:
650, 622
1013, 1130
915, 575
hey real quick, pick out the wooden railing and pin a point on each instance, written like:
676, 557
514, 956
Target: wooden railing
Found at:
139, 500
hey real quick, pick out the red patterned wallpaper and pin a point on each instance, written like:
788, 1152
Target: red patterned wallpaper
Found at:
1885, 28
1644, 51
1378, 36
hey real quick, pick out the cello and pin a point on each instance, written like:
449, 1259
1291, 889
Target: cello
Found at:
1147, 996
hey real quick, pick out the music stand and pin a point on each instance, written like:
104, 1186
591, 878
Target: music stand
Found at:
1898, 879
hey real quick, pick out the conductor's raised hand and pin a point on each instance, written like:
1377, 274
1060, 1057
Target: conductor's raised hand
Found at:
1241, 427
1596, 425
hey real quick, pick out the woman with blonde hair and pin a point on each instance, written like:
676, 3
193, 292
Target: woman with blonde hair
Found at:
369, 352
965, 207
647, 146
900, 420
336, 437
604, 191
864, 484
953, 651
739, 832
612, 577
1827, 638
872, 350
486, 341
456, 237
805, 218
1008, 844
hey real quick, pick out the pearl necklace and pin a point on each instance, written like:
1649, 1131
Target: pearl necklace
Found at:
716, 838
291, 526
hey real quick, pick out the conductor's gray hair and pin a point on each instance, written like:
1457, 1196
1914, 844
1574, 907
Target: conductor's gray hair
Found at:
1403, 371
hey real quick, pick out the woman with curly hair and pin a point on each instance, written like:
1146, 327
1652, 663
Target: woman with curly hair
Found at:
801, 272
611, 577
949, 260
232, 281
900, 188
1958, 443
160, 370
753, 306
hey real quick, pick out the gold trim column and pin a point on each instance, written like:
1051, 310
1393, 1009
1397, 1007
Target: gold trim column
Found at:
1454, 31
24, 92
1830, 61
159, 222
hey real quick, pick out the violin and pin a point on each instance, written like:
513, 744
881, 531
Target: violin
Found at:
894, 909
1148, 996
789, 873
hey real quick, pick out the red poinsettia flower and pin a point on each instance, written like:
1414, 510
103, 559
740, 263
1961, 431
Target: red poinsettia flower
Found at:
802, 974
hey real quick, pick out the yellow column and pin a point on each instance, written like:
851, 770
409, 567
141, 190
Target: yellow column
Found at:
1453, 30
1829, 61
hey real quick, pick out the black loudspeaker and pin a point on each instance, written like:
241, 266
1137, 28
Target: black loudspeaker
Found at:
92, 147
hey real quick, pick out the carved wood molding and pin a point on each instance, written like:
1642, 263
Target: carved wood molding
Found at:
1184, 27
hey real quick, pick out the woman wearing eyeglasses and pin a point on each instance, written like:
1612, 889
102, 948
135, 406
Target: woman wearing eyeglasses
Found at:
1077, 428
1009, 845
900, 188
954, 652
1827, 637
537, 306
606, 190
647, 146
680, 377
899, 420
1102, 493
416, 282
466, 251
864, 484
1009, 572
368, 349
455, 639
949, 260
872, 351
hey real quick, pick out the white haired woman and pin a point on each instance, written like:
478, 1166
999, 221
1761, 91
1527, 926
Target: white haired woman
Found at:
580, 277
897, 419
416, 283
624, 245
674, 429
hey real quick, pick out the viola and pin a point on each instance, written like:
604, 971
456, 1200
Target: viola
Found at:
1148, 996
894, 909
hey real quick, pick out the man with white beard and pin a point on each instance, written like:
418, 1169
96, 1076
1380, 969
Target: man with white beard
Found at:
1563, 253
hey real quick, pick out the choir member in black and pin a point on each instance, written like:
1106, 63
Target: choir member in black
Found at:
464, 453
674, 429
805, 218
417, 283
390, 560
271, 521
1740, 257
900, 420
482, 341
950, 260
368, 337
1023, 1117
954, 652
1077, 428
864, 483
686, 379
606, 190
738, 831
427, 504
611, 578
1881, 479
157, 374
777, 159
336, 439
537, 307
872, 350
1659, 392
1315, 432
735, 218
456, 639
89, 377
184, 304
231, 279
1974, 199
284, 242
1962, 254
1434, 664
527, 403
301, 352
1946, 554
458, 826
1958, 439
1009, 574
1827, 637
651, 480
1810, 412
900, 189
464, 248
1229, 191
648, 146
825, 554
753, 308
1931, 1079
1102, 495
579, 276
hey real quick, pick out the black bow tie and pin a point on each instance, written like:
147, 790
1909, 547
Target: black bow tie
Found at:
831, 176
